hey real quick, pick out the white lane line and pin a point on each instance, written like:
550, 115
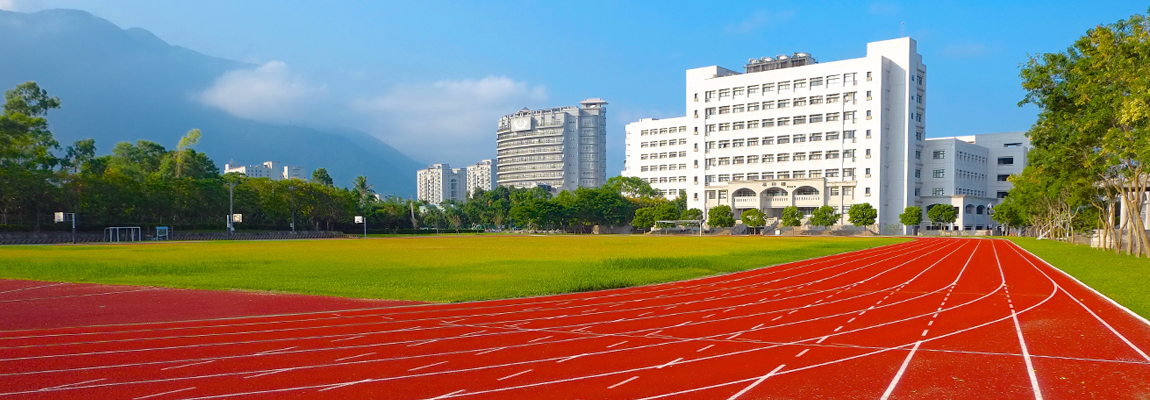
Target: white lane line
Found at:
646, 313
72, 384
276, 371
515, 375
187, 365
428, 366
345, 384
357, 356
670, 363
924, 331
448, 395
472, 333
489, 351
536, 340
851, 320
704, 348
616, 344
348, 338
709, 316
757, 326
423, 343
161, 394
757, 382
30, 288
930, 323
901, 370
1026, 357
802, 352
839, 328
776, 318
654, 333
273, 351
571, 358
623, 382
823, 338
734, 336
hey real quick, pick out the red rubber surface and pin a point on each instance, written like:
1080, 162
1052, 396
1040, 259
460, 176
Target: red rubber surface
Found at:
933, 318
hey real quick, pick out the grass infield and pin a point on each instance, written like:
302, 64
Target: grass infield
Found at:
1123, 278
438, 269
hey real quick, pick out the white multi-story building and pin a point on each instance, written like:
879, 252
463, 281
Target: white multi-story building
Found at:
970, 173
480, 176
791, 131
562, 148
270, 169
440, 182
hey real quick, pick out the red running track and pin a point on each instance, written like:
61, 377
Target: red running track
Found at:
932, 318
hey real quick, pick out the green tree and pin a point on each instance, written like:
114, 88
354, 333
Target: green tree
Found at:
720, 216
911, 216
862, 214
631, 186
190, 139
321, 177
692, 214
1091, 142
824, 216
364, 192
29, 187
791, 217
753, 218
942, 214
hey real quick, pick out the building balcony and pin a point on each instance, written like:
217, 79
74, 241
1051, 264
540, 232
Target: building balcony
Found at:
746, 202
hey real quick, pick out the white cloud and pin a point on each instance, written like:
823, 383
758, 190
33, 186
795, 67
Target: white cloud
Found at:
758, 20
270, 93
450, 121
8, 5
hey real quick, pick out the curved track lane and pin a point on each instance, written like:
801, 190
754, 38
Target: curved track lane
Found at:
932, 318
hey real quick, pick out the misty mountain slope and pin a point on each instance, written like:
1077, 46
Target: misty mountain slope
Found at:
126, 84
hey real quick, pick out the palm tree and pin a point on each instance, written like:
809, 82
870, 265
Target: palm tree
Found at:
366, 194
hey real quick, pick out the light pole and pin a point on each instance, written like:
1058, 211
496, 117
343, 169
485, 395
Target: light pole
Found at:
291, 188
359, 219
231, 208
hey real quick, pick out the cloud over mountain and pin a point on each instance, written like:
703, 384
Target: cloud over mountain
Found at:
271, 92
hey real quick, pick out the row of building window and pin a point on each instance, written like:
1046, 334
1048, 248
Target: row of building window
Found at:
530, 167
969, 192
537, 132
780, 87
781, 157
662, 131
531, 150
529, 175
663, 167
525, 142
781, 121
781, 103
767, 176
549, 157
847, 191
783, 139
662, 143
971, 158
655, 156
666, 179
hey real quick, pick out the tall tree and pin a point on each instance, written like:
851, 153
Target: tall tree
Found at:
943, 214
720, 216
792, 217
190, 139
824, 216
862, 214
321, 177
911, 216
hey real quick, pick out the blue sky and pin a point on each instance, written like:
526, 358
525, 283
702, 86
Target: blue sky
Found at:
431, 78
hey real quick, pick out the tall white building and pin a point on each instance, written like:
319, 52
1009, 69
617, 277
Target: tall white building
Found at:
562, 148
792, 131
440, 182
270, 169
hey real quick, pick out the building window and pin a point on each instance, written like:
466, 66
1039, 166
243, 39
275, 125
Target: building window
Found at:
939, 192
768, 140
784, 103
753, 107
940, 173
832, 173
799, 138
738, 108
918, 173
754, 124
1002, 195
939, 154
1003, 177
1005, 160
801, 101
725, 110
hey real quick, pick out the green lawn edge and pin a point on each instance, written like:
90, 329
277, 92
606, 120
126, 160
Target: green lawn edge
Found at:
456, 268
1122, 278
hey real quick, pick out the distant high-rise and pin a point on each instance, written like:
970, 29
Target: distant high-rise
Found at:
563, 148
270, 169
440, 182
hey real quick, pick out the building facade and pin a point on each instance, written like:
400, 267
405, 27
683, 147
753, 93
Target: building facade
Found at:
562, 148
971, 174
270, 169
792, 131
440, 182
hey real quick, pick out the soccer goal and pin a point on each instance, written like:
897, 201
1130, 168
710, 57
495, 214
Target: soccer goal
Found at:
123, 234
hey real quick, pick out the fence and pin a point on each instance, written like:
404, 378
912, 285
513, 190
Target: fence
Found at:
89, 237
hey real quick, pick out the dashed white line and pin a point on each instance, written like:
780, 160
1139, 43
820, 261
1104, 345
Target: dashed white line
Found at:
616, 344
536, 340
355, 356
670, 363
802, 352
428, 366
756, 383
704, 348
623, 382
161, 394
515, 375
187, 365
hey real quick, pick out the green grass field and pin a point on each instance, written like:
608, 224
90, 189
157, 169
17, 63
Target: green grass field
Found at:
1120, 277
440, 269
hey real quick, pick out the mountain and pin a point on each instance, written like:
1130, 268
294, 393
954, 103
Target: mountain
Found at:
127, 84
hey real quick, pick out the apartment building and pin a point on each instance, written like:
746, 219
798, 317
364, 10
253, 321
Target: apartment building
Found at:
271, 169
562, 148
440, 182
971, 174
790, 131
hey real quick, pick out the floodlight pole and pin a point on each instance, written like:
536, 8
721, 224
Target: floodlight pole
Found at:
73, 227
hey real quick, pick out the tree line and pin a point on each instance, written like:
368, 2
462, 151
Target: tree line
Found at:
1091, 142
